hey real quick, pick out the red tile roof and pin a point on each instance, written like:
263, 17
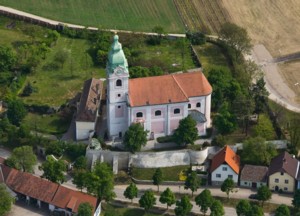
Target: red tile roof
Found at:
228, 156
173, 88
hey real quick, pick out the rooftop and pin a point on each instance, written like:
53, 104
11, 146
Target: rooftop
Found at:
254, 173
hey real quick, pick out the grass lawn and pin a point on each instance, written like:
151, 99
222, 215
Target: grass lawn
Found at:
169, 173
109, 209
135, 15
49, 124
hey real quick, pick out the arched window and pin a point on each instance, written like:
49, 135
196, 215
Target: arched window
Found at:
119, 82
176, 111
189, 106
157, 113
198, 104
139, 115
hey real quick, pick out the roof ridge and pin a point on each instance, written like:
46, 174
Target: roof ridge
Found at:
179, 86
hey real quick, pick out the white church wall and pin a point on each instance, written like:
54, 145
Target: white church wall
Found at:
83, 130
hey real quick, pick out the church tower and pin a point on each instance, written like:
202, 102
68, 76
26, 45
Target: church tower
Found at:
117, 90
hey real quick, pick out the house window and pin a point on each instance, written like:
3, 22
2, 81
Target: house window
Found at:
224, 168
119, 107
176, 111
119, 95
139, 115
286, 181
282, 173
157, 113
276, 180
120, 134
198, 104
246, 183
189, 106
218, 175
119, 82
230, 176
285, 188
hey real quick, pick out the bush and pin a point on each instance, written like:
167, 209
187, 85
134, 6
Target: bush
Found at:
165, 139
219, 140
205, 144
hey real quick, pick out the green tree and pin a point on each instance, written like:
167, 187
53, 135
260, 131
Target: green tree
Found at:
80, 178
6, 200
196, 38
296, 199
55, 148
139, 71
28, 90
80, 163
264, 128
131, 191
264, 194
228, 186
219, 140
7, 58
147, 200
135, 137
155, 71
294, 133
256, 211
23, 158
260, 95
204, 200
224, 121
236, 38
216, 208
192, 182
282, 210
183, 206
167, 197
243, 208
257, 152
157, 178
187, 132
16, 112
85, 209
53, 170
61, 56
101, 182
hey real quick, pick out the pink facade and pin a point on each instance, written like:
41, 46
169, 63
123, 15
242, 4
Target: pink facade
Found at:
174, 123
181, 109
155, 111
158, 127
119, 111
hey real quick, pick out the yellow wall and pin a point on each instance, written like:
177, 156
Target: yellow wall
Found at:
281, 184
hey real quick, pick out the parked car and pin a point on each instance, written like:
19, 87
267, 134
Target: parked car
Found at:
252, 196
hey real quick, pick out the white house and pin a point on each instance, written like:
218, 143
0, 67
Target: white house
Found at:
225, 164
158, 103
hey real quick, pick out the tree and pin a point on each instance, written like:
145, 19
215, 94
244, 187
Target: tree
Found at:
183, 206
186, 132
294, 133
219, 140
23, 158
7, 58
264, 128
192, 182
282, 210
135, 137
243, 208
228, 186
55, 148
53, 170
224, 121
167, 197
80, 178
157, 178
6, 200
216, 208
131, 191
264, 194
61, 57
138, 71
101, 182
28, 90
80, 163
257, 152
147, 200
196, 38
16, 112
85, 209
236, 38
204, 200
256, 211
260, 95
296, 199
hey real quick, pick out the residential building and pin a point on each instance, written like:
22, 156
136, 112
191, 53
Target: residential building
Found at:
283, 173
253, 176
157, 103
225, 164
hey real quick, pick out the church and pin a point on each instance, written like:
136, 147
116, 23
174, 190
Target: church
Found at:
158, 103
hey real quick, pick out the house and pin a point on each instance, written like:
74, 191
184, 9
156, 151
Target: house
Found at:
225, 164
253, 176
283, 173
158, 103
88, 109
34, 189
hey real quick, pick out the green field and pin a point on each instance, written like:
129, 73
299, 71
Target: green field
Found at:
134, 15
109, 209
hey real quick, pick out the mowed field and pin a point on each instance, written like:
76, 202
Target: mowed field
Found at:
135, 15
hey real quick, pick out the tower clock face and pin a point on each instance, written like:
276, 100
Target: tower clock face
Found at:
119, 71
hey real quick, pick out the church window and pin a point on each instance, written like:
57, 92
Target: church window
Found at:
157, 113
119, 95
189, 106
198, 104
176, 111
119, 82
139, 115
119, 107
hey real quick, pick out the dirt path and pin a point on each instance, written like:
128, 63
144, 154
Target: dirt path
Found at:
279, 90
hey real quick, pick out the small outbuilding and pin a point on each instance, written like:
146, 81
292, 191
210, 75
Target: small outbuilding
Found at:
253, 176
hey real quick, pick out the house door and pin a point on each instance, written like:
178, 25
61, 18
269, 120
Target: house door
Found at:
276, 188
254, 185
